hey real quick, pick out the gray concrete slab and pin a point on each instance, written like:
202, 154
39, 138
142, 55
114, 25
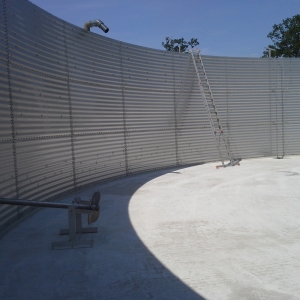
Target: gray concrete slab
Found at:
181, 233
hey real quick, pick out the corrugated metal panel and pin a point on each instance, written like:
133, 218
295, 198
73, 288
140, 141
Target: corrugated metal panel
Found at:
77, 107
96, 108
40, 104
196, 145
149, 110
8, 214
247, 95
92, 59
36, 38
98, 157
3, 52
7, 183
44, 167
5, 117
291, 104
142, 68
151, 149
7, 179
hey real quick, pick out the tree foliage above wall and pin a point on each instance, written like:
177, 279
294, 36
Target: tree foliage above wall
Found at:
286, 38
179, 45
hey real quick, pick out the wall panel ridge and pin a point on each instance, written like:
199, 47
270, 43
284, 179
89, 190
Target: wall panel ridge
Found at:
79, 108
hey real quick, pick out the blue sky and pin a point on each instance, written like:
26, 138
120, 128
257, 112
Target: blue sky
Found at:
223, 27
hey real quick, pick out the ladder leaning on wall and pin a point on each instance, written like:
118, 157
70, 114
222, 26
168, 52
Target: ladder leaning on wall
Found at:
212, 113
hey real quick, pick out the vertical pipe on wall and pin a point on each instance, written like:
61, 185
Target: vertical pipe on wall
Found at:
270, 102
279, 110
175, 112
227, 103
276, 99
282, 104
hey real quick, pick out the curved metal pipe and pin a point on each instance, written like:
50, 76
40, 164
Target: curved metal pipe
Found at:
95, 23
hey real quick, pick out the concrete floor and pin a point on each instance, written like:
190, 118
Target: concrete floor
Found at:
181, 233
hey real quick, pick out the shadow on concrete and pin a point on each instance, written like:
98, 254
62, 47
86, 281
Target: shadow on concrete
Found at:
119, 266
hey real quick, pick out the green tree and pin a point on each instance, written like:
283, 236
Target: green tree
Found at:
179, 45
286, 38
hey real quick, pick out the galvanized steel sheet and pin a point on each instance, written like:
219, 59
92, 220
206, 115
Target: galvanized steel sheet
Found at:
78, 108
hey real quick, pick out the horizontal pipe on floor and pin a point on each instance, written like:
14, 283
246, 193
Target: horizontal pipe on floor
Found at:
48, 204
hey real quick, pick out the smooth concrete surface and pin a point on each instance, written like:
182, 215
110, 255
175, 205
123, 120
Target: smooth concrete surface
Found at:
180, 233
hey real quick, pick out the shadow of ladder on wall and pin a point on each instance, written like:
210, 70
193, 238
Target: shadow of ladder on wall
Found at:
212, 113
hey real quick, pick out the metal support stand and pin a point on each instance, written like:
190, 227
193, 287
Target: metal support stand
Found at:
75, 229
75, 211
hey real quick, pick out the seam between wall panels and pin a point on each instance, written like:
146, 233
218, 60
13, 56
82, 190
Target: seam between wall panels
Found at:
13, 131
70, 107
124, 111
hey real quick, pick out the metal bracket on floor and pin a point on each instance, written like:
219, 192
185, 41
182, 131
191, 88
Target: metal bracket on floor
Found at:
232, 163
75, 211
75, 229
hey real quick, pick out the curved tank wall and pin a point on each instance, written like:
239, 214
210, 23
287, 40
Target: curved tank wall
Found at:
78, 108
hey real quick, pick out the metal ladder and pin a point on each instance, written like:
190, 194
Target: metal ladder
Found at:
212, 113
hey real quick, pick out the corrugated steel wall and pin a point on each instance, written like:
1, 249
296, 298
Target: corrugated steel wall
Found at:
77, 108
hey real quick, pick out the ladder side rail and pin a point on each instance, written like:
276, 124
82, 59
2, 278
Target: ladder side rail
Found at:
203, 95
209, 89
215, 108
207, 108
